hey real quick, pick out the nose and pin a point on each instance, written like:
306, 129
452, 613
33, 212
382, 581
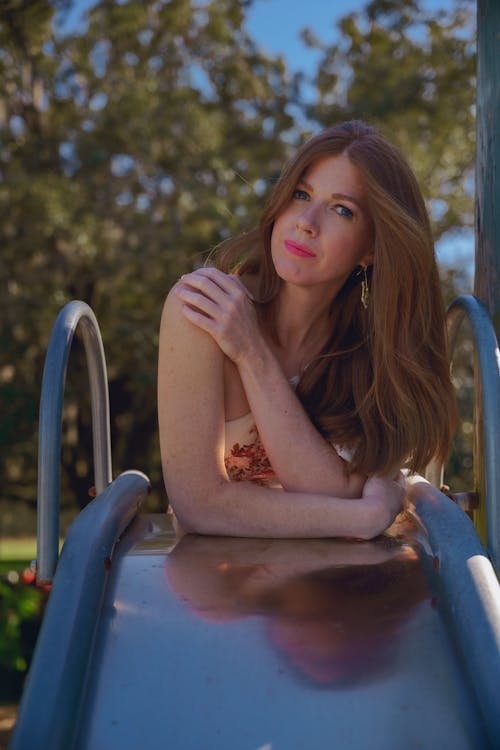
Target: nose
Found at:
307, 221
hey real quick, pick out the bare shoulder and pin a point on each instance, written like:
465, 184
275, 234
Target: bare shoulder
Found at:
172, 318
190, 363
179, 337
190, 407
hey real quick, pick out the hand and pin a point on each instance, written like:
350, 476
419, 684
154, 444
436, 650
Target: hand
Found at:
386, 497
220, 304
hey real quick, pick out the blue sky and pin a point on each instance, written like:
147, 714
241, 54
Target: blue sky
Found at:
276, 25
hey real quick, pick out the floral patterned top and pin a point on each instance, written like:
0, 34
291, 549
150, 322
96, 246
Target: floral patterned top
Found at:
245, 456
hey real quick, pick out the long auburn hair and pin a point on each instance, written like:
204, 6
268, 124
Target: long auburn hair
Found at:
381, 384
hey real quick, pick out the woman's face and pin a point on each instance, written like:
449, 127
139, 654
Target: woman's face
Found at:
325, 232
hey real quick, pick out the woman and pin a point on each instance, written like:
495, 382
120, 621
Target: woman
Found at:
298, 377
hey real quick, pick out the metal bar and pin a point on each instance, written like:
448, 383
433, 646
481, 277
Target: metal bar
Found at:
470, 594
49, 435
48, 715
98, 380
488, 358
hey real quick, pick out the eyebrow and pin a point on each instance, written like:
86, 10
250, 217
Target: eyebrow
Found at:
336, 196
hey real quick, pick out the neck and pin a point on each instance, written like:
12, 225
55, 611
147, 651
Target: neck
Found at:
302, 322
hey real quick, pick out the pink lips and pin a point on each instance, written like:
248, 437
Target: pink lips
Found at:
297, 249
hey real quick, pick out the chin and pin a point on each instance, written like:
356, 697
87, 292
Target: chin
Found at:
290, 273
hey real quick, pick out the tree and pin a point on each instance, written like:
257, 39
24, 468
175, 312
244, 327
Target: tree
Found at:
130, 149
127, 152
410, 72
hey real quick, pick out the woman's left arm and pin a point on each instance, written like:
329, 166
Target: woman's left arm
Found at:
302, 459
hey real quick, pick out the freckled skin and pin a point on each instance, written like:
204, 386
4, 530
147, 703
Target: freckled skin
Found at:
319, 239
328, 218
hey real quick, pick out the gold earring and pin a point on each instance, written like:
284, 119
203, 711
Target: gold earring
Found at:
365, 291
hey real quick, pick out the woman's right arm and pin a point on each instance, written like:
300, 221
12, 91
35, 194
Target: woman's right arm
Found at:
192, 434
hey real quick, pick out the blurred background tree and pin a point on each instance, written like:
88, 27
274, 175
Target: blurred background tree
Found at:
412, 74
129, 150
126, 153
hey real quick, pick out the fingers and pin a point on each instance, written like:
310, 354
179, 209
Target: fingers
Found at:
200, 319
196, 284
214, 293
390, 492
398, 479
219, 304
211, 282
196, 300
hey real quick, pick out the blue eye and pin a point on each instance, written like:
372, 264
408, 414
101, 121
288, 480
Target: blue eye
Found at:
344, 211
300, 195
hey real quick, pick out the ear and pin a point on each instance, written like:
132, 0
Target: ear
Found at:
367, 259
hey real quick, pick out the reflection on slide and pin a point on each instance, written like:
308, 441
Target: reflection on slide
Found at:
332, 607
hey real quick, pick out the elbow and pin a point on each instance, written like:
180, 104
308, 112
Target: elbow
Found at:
184, 523
190, 519
201, 513
197, 523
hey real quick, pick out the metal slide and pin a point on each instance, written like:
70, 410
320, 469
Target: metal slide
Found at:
203, 642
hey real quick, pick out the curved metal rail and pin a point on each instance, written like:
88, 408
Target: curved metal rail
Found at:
468, 592
488, 357
57, 678
74, 314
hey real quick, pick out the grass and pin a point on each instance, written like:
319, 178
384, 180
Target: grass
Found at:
15, 549
19, 548
16, 554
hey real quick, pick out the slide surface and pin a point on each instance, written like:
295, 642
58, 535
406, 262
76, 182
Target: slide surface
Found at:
209, 642
235, 643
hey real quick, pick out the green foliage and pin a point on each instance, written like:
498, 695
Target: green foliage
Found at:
412, 73
126, 153
130, 150
21, 609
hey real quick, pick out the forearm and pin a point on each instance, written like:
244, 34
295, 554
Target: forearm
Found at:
302, 459
245, 509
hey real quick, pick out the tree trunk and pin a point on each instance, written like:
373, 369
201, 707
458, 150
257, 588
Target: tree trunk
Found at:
487, 269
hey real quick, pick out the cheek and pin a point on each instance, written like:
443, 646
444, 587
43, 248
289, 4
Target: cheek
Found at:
278, 223
276, 234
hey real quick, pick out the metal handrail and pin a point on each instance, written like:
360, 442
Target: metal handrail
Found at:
56, 684
74, 314
488, 358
